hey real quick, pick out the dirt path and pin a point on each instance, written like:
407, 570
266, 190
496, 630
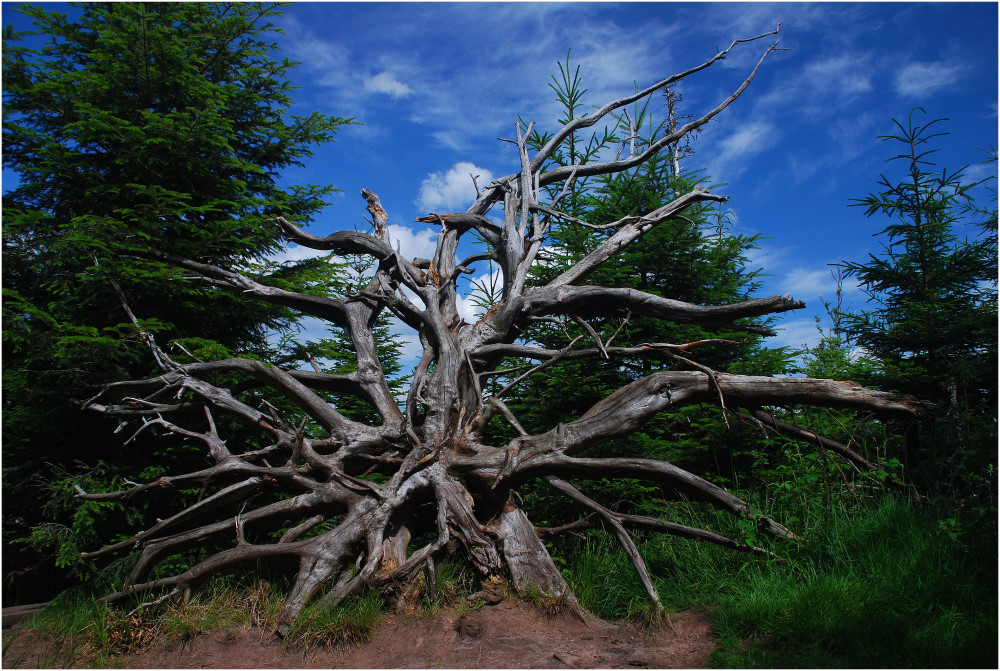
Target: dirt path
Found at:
508, 635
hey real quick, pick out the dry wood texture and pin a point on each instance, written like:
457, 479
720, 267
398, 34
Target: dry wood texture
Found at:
430, 446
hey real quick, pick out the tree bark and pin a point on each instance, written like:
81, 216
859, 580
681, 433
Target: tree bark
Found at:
319, 511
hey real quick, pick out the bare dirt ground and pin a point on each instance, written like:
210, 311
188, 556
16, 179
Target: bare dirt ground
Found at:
507, 635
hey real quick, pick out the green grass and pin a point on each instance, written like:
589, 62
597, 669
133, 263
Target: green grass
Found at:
454, 580
223, 604
355, 618
603, 580
895, 591
352, 621
884, 585
93, 634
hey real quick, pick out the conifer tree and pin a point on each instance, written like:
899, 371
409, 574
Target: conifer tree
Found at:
694, 258
348, 505
134, 127
932, 324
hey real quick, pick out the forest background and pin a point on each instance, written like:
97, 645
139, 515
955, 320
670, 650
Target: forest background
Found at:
62, 332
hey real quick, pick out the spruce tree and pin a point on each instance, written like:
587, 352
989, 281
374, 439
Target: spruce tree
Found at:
135, 130
932, 322
695, 258
349, 505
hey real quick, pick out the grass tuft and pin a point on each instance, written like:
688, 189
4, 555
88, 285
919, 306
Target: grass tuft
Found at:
93, 634
223, 604
352, 621
455, 579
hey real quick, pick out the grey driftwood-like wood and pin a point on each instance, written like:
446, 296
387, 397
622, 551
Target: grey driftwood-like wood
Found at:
344, 533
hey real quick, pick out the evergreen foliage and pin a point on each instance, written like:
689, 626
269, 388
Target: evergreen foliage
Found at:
695, 258
932, 327
135, 130
101, 203
934, 286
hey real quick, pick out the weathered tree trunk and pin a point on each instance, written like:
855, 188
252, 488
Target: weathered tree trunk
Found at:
430, 447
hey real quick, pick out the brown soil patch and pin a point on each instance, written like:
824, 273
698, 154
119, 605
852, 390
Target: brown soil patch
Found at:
507, 635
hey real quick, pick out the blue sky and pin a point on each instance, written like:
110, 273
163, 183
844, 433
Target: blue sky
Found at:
435, 85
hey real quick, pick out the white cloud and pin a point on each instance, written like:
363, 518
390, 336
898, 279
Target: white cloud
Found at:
734, 151
819, 87
419, 244
795, 333
386, 82
453, 138
468, 310
767, 256
409, 342
466, 305
840, 75
294, 252
316, 53
980, 171
412, 350
803, 283
452, 190
922, 79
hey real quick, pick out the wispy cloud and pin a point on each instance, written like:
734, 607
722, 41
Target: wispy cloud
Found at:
294, 252
821, 84
920, 80
733, 152
839, 75
795, 333
745, 19
452, 189
804, 283
316, 53
978, 172
820, 97
767, 256
435, 75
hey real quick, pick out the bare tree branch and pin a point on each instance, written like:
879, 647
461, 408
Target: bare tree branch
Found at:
629, 232
593, 301
612, 521
346, 498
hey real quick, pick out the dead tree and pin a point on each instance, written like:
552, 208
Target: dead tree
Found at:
430, 447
